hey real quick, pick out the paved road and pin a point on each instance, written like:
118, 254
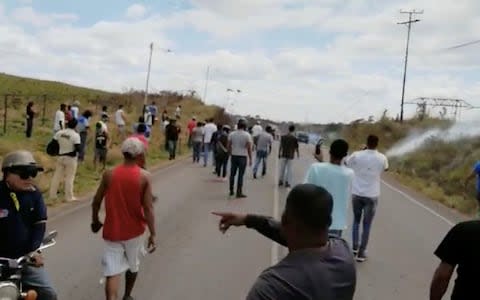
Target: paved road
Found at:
194, 261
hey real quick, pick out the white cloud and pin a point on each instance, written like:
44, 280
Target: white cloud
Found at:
354, 72
27, 15
136, 11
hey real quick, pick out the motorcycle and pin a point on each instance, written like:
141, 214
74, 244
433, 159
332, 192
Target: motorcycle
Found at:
11, 273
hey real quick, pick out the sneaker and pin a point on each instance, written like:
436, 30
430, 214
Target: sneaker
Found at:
280, 183
241, 195
254, 176
287, 185
128, 298
355, 251
231, 194
361, 257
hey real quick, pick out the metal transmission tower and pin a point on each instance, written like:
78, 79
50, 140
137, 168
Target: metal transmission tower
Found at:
409, 25
456, 104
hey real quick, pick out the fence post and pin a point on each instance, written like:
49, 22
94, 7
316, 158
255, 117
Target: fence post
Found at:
44, 109
5, 103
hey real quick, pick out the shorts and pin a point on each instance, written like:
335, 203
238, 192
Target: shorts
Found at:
101, 154
121, 256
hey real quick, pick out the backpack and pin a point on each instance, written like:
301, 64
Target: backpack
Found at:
53, 148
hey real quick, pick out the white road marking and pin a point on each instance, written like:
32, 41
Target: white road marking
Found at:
416, 202
275, 250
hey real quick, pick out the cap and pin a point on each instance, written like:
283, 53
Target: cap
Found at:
133, 146
76, 102
226, 127
20, 158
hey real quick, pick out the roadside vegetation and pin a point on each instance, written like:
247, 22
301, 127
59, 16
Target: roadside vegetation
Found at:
22, 90
437, 169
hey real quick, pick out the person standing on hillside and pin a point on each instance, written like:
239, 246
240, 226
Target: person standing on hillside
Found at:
368, 166
30, 115
83, 128
59, 121
120, 121
154, 112
171, 134
337, 180
127, 190
240, 148
102, 141
208, 131
178, 112
475, 174
288, 148
66, 166
75, 109
263, 149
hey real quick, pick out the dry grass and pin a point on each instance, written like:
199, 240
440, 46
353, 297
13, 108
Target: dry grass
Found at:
87, 178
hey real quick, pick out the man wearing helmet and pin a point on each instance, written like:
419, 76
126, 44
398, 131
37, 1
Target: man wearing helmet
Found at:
23, 216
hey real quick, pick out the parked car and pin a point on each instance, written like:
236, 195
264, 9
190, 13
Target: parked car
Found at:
303, 137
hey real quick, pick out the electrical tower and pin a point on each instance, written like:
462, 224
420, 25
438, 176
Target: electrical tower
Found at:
445, 103
409, 25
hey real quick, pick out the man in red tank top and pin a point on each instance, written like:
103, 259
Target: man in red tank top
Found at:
127, 192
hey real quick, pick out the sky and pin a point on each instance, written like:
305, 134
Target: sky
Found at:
292, 60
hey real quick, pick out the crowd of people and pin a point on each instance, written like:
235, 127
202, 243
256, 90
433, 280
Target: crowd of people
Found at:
320, 263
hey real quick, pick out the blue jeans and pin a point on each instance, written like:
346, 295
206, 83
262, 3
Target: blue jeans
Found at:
366, 207
37, 279
238, 163
286, 170
83, 143
261, 157
206, 152
172, 148
197, 149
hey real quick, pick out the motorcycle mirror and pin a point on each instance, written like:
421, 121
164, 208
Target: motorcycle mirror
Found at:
50, 237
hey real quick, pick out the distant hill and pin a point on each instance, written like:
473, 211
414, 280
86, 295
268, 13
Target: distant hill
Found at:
10, 84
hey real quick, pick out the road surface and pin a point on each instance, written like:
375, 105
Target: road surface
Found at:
194, 261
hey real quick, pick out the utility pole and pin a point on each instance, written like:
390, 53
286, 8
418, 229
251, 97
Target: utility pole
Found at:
409, 25
148, 79
206, 85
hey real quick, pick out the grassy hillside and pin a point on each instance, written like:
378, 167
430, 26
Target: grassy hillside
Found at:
437, 169
87, 178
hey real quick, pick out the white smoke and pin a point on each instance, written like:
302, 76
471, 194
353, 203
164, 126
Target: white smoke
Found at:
417, 139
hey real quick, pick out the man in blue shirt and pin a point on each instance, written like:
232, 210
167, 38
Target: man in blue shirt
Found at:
23, 216
475, 173
337, 180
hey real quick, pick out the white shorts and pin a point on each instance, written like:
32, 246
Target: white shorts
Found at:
123, 255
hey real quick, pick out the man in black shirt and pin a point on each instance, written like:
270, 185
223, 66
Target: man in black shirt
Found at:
171, 135
30, 116
460, 248
288, 147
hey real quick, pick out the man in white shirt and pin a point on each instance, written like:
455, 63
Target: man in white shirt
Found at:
66, 166
240, 147
59, 122
120, 122
208, 131
75, 109
368, 166
264, 148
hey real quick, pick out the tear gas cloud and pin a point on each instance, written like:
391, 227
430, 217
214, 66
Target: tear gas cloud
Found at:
417, 138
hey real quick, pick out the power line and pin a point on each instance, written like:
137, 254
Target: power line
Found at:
463, 45
409, 25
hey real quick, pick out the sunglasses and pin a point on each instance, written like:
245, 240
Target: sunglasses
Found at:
25, 172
